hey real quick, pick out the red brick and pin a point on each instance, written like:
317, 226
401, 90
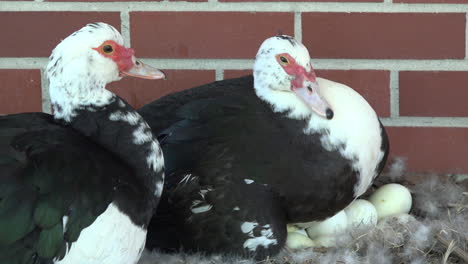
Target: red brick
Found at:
103, 0
432, 1
122, 0
430, 149
35, 34
433, 93
205, 34
139, 92
302, 0
230, 74
384, 35
20, 91
373, 85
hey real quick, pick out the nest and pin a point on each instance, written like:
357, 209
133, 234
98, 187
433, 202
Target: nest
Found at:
436, 231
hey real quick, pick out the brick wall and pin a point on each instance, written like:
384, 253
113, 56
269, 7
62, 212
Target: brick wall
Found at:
407, 57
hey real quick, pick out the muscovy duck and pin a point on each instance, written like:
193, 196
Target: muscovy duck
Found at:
81, 185
246, 156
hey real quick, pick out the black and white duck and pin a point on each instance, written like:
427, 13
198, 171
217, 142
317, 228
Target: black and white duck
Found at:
246, 156
81, 185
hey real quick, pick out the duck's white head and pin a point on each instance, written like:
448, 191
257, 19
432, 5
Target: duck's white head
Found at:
282, 72
85, 62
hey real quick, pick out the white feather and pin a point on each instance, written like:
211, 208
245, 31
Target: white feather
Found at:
142, 134
201, 209
99, 243
265, 239
154, 160
248, 181
356, 125
159, 188
131, 118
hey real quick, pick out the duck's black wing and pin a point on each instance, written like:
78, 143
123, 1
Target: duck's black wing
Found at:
222, 217
164, 112
212, 200
53, 184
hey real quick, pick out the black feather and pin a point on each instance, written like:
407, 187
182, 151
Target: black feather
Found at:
221, 134
49, 171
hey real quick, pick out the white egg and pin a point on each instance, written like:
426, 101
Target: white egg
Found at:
291, 228
330, 226
301, 231
391, 199
324, 241
361, 212
296, 240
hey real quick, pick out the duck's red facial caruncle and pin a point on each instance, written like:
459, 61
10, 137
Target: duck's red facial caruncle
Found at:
126, 62
305, 85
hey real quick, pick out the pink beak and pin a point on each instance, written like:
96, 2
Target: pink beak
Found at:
309, 92
141, 70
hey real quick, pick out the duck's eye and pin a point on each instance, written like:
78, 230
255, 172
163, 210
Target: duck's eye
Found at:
284, 60
107, 49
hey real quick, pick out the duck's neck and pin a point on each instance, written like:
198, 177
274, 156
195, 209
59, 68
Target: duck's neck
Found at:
283, 102
69, 96
75, 83
121, 130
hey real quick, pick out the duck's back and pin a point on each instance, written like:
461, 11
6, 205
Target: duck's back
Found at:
57, 188
224, 130
163, 112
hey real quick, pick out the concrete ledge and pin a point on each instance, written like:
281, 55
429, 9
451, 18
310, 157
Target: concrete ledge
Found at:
384, 7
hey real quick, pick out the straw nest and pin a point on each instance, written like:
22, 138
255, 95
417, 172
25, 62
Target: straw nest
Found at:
436, 231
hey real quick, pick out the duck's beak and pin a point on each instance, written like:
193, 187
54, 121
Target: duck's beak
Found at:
309, 92
141, 70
